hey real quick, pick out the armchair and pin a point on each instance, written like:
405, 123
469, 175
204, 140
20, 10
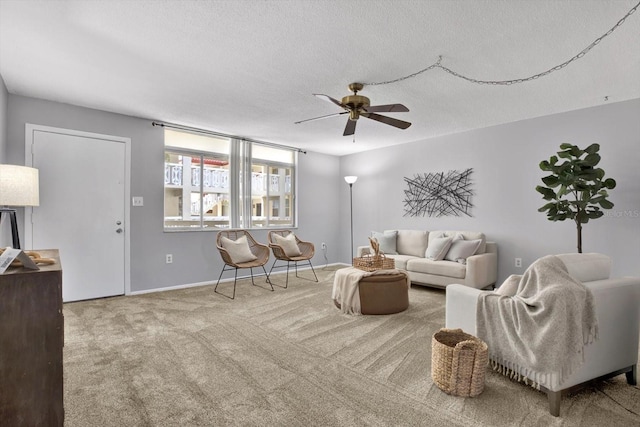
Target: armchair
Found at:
617, 302
239, 249
287, 247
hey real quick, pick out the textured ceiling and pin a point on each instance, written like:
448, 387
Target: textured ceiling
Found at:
249, 68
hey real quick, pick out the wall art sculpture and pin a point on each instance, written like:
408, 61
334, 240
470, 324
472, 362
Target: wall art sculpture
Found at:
439, 194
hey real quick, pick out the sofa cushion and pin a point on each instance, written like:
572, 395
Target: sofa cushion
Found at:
412, 242
387, 241
466, 235
438, 248
587, 267
400, 261
438, 268
461, 249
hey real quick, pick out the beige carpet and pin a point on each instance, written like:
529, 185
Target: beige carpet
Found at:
287, 358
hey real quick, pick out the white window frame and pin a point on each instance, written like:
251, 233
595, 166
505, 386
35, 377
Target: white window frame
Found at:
240, 191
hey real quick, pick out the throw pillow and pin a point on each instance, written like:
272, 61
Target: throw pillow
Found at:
387, 241
438, 248
461, 249
238, 249
288, 244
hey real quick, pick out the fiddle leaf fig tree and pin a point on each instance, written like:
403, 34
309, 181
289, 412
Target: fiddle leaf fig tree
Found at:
575, 188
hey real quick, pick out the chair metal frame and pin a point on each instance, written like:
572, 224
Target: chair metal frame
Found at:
307, 250
258, 249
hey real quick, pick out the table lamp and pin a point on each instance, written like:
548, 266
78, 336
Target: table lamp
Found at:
18, 188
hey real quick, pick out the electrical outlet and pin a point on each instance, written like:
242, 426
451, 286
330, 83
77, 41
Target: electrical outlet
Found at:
324, 246
518, 262
169, 258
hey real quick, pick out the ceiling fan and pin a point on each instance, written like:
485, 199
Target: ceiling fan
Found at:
359, 106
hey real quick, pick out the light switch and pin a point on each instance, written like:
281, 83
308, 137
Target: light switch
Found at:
138, 201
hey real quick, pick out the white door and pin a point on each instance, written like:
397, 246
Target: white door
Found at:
82, 210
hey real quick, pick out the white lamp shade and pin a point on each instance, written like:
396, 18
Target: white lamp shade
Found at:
351, 179
19, 186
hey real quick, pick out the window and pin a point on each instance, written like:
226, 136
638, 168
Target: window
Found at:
271, 186
207, 187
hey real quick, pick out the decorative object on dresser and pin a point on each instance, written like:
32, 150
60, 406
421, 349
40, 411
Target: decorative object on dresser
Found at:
19, 187
31, 340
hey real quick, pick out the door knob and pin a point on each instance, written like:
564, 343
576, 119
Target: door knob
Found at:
119, 230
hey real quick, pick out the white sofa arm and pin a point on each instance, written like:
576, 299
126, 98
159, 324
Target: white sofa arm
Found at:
362, 251
461, 307
482, 270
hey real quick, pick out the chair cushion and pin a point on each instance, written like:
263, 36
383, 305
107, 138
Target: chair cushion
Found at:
288, 244
387, 241
238, 250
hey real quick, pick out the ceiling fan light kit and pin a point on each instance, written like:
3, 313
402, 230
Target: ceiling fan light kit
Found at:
360, 106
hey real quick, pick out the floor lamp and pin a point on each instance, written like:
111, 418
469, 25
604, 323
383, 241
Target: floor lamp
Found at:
351, 180
18, 187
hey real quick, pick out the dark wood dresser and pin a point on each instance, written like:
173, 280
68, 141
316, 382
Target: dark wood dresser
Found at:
31, 340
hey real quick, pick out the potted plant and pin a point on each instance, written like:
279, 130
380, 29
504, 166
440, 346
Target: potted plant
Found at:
575, 188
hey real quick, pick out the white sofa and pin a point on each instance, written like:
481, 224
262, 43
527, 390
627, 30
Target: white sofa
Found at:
479, 271
617, 302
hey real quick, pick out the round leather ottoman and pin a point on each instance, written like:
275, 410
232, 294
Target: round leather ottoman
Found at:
383, 293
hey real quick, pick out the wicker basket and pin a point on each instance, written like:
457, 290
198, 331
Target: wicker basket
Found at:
373, 263
458, 362
376, 261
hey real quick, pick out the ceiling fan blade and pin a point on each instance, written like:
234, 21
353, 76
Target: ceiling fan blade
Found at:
390, 108
330, 99
387, 120
350, 128
321, 117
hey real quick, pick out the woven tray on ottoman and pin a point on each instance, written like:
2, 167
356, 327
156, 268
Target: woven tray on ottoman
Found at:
458, 362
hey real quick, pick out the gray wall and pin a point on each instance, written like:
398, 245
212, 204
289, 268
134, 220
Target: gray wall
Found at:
4, 96
195, 258
504, 159
505, 162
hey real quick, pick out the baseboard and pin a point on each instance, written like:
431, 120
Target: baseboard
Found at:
209, 282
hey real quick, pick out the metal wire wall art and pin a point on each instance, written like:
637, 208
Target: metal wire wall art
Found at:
439, 194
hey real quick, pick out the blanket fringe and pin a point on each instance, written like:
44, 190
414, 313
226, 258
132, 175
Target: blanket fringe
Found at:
512, 373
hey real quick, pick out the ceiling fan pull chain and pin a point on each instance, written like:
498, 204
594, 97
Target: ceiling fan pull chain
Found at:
582, 53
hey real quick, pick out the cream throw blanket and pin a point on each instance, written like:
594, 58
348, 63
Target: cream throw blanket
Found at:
540, 327
345, 287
